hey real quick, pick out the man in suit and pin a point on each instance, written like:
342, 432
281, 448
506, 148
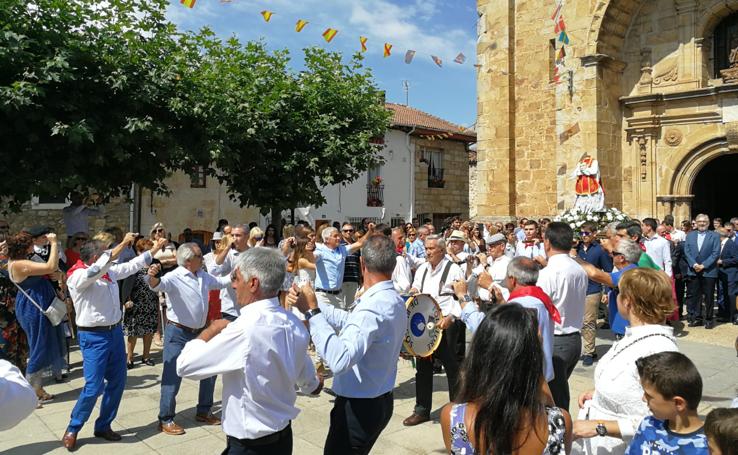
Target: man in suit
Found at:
702, 250
728, 275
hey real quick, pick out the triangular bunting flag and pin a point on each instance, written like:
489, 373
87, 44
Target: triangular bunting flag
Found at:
557, 11
362, 40
266, 15
300, 25
387, 49
188, 3
563, 37
561, 53
329, 34
437, 60
560, 25
409, 56
460, 59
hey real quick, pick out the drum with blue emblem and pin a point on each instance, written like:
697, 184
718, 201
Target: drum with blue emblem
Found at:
423, 335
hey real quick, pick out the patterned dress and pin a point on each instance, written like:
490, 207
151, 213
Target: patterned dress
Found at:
461, 445
141, 319
13, 343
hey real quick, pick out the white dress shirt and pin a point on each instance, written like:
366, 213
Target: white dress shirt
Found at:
565, 282
660, 251
261, 355
97, 299
16, 395
187, 295
532, 251
433, 282
228, 294
677, 235
498, 271
402, 275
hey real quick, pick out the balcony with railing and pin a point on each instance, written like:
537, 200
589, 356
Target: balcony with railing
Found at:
435, 178
374, 195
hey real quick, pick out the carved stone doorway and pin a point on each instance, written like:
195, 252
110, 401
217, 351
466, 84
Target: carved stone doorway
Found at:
715, 188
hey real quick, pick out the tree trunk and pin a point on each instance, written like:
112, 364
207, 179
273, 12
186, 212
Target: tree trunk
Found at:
277, 220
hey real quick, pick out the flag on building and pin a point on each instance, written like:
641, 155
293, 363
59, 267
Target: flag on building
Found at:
557, 11
300, 25
563, 37
560, 54
329, 34
409, 55
387, 49
437, 60
188, 3
362, 40
560, 25
266, 15
460, 59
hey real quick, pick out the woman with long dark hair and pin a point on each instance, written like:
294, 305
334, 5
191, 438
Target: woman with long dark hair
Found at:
503, 405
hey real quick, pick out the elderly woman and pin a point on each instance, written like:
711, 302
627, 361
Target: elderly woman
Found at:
45, 341
611, 412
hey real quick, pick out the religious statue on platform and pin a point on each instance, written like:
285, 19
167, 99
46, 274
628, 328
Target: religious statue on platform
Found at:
590, 195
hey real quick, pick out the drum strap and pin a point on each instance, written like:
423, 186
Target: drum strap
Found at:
444, 275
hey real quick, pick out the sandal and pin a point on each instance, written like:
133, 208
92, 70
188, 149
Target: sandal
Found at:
130, 365
149, 361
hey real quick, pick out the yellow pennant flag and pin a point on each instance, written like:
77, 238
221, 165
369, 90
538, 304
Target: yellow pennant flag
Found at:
387, 49
300, 25
188, 3
329, 34
267, 15
362, 39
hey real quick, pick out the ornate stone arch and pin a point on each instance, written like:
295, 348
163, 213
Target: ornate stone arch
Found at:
611, 21
686, 172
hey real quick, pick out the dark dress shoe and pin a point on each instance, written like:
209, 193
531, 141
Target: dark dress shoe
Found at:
70, 441
109, 435
709, 325
415, 419
149, 362
694, 323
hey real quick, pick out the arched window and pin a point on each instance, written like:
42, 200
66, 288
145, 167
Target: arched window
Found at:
726, 39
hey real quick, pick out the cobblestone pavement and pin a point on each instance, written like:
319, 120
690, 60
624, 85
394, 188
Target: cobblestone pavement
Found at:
41, 433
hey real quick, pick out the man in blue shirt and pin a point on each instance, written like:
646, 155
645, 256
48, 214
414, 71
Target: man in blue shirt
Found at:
590, 250
330, 265
363, 356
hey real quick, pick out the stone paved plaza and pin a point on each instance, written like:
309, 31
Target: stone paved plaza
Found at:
41, 432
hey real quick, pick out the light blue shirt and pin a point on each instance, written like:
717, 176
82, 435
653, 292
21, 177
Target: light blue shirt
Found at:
417, 249
700, 239
363, 356
329, 266
472, 317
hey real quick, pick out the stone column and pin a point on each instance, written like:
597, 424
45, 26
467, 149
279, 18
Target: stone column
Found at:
643, 159
690, 61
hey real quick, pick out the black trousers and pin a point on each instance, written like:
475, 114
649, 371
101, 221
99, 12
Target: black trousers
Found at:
279, 443
356, 424
680, 285
566, 352
727, 302
447, 354
699, 287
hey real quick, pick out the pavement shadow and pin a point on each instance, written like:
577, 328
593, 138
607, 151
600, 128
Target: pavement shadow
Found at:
407, 389
34, 448
141, 382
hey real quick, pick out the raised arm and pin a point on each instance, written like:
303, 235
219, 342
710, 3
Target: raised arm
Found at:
595, 274
358, 244
26, 268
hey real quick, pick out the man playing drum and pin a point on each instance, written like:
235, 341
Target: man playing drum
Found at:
436, 278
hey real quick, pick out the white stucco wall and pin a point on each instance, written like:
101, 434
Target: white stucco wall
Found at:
349, 201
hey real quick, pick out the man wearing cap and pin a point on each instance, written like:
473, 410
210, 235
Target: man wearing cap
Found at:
496, 266
435, 278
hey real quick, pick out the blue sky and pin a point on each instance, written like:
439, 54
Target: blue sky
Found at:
431, 27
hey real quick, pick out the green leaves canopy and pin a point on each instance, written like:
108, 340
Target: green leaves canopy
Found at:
97, 98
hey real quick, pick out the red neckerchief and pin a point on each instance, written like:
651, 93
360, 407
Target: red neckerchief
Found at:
82, 265
643, 247
540, 294
528, 243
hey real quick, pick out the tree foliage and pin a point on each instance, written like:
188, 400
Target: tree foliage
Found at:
97, 98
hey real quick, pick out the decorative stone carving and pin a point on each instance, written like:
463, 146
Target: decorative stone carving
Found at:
643, 153
673, 137
669, 74
730, 75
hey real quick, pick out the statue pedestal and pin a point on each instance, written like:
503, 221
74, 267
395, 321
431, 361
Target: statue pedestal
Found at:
730, 75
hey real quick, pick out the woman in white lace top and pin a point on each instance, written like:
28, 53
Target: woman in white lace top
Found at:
611, 412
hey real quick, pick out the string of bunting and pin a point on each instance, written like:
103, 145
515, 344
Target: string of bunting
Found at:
330, 33
561, 37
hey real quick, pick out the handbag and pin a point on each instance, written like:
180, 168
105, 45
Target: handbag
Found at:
55, 312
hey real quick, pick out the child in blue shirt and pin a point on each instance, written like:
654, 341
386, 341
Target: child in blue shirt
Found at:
672, 388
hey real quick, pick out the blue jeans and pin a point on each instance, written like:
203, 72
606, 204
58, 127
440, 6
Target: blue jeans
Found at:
104, 364
174, 340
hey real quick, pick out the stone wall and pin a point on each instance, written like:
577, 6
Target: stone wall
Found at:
454, 196
116, 213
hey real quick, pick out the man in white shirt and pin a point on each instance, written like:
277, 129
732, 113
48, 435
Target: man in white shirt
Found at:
436, 278
363, 357
186, 289
496, 266
405, 263
93, 286
16, 394
225, 263
566, 283
530, 246
262, 355
656, 246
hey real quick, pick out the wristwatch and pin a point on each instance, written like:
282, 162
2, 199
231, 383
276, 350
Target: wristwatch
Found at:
601, 429
310, 313
466, 298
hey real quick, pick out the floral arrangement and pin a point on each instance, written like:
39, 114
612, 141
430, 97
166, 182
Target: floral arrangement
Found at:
376, 181
575, 218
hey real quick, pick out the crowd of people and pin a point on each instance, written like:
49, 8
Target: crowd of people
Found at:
273, 311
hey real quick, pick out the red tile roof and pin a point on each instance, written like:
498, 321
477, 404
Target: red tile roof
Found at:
410, 117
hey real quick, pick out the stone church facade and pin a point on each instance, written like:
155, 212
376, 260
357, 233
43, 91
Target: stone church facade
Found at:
641, 91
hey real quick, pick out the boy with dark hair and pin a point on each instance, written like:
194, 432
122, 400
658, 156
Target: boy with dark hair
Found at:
672, 388
721, 427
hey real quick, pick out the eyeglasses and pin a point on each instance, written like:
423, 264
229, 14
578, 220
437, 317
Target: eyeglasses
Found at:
258, 238
585, 234
617, 253
80, 238
159, 230
348, 230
